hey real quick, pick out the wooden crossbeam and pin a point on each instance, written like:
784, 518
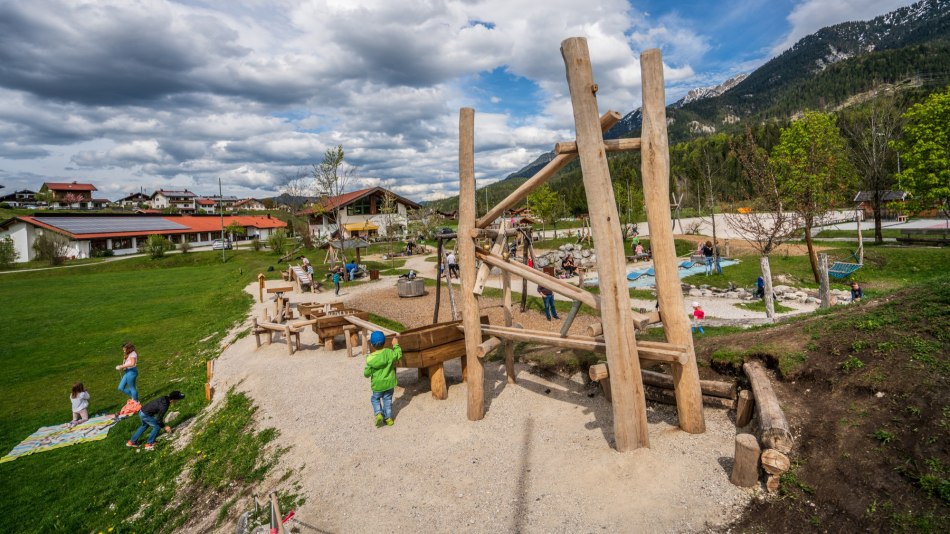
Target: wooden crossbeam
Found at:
611, 145
653, 351
607, 121
538, 277
368, 325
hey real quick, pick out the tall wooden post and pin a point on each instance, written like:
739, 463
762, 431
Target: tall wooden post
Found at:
509, 319
823, 282
629, 405
655, 156
470, 320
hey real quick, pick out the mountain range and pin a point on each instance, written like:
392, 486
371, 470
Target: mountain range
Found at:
827, 70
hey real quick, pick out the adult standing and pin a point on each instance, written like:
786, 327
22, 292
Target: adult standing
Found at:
130, 372
548, 296
453, 265
708, 255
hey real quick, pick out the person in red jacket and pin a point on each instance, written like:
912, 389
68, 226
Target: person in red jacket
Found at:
698, 316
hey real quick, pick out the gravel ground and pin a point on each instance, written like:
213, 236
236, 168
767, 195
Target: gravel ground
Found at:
540, 461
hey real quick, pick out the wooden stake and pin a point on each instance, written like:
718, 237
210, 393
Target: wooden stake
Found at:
745, 469
260, 287
767, 278
771, 418
475, 373
656, 186
209, 391
571, 315
210, 369
629, 405
509, 317
823, 283
348, 334
744, 408
439, 266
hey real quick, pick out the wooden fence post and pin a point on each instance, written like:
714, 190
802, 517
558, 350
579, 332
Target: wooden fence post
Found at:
823, 283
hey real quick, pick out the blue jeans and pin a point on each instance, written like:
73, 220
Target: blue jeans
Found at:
383, 403
709, 264
337, 285
147, 421
127, 384
549, 310
718, 266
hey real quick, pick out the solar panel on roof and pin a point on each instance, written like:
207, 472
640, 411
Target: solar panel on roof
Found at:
104, 225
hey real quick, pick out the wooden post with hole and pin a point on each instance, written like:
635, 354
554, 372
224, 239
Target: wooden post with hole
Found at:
655, 158
474, 370
629, 405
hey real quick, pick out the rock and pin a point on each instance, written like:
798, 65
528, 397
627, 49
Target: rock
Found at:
585, 254
732, 295
695, 293
811, 300
781, 289
567, 246
579, 378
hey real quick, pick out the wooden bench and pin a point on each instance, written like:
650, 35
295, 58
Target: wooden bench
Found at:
291, 332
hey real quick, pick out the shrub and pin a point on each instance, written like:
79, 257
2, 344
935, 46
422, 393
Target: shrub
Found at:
102, 253
278, 241
156, 246
51, 247
184, 247
8, 253
256, 244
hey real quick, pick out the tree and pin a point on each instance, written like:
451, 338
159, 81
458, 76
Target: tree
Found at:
388, 213
278, 241
51, 247
425, 221
925, 153
156, 246
8, 253
766, 225
331, 178
629, 199
812, 171
234, 229
546, 205
871, 132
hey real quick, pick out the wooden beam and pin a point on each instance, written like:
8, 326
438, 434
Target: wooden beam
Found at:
352, 319
487, 346
662, 353
492, 233
484, 269
566, 326
509, 318
538, 277
771, 418
474, 370
607, 121
655, 170
667, 396
629, 405
611, 145
711, 388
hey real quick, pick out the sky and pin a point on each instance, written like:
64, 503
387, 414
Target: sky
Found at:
136, 95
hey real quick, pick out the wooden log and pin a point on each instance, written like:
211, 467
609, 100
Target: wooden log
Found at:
774, 462
328, 344
484, 269
607, 121
595, 329
598, 372
509, 317
437, 382
474, 371
487, 346
362, 323
491, 233
629, 406
348, 334
744, 408
713, 388
539, 277
667, 396
655, 170
656, 351
745, 468
610, 145
772, 423
571, 315
257, 330
772, 483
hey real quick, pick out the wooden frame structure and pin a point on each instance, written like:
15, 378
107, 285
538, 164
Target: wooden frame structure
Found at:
619, 321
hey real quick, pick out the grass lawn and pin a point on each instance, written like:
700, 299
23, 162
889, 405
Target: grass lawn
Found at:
759, 306
867, 232
67, 325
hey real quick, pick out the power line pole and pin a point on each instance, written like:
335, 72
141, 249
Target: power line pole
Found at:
221, 211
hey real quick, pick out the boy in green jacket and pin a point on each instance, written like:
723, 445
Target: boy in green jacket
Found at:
380, 369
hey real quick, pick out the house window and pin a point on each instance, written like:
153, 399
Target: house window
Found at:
192, 238
119, 243
98, 244
360, 207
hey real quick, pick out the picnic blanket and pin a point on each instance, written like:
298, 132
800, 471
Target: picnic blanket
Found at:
53, 437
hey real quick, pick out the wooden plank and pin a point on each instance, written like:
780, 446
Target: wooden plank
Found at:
607, 121
423, 337
629, 405
475, 373
771, 418
655, 170
611, 145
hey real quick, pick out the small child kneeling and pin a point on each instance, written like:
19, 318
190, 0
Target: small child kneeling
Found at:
380, 369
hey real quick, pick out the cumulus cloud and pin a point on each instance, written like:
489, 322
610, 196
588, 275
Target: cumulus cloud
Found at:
158, 93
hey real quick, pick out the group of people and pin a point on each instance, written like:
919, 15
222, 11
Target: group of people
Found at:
710, 253
152, 414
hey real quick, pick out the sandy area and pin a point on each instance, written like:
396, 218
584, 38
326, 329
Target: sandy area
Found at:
540, 461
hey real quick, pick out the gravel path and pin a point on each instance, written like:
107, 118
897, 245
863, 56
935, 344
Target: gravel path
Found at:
540, 461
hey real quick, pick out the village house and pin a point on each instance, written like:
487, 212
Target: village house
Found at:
135, 200
90, 235
249, 204
72, 195
19, 199
360, 214
184, 201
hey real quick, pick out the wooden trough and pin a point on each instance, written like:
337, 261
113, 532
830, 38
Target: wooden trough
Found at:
427, 348
331, 324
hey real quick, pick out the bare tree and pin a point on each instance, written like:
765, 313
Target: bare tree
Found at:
298, 189
388, 215
767, 225
870, 133
331, 178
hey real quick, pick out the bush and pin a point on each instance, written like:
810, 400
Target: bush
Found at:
156, 246
51, 247
102, 253
184, 247
8, 253
256, 244
278, 241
